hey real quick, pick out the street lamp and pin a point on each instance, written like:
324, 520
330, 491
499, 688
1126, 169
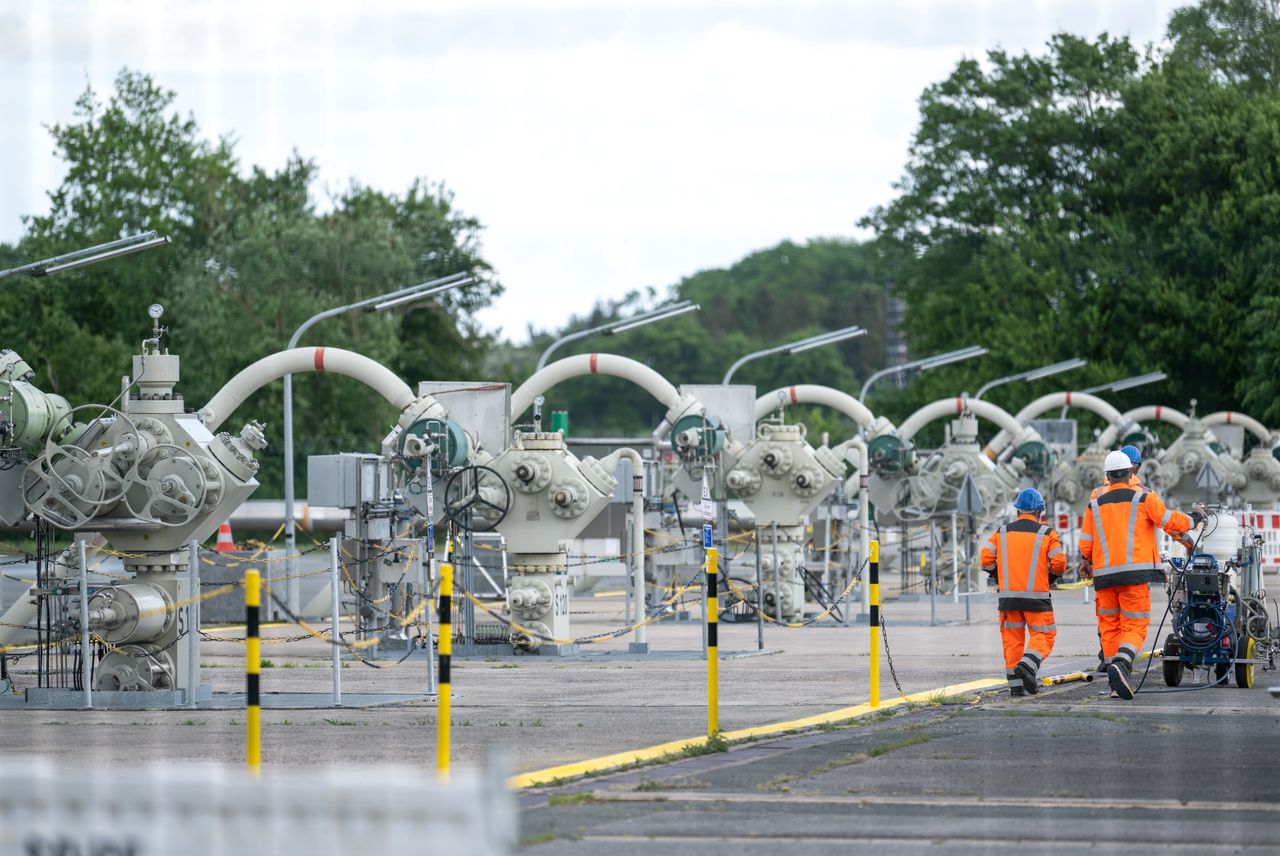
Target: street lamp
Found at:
821, 340
1033, 374
622, 325
924, 364
90, 255
1128, 383
378, 303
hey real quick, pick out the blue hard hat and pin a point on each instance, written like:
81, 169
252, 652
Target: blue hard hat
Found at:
1029, 499
1133, 453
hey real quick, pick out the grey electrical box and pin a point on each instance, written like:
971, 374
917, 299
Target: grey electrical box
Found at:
346, 480
483, 408
734, 404
1058, 434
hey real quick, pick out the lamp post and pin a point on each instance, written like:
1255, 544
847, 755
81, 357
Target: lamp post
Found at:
622, 325
1033, 374
819, 341
378, 303
924, 364
1128, 383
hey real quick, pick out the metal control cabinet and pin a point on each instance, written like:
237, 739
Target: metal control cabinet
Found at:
348, 479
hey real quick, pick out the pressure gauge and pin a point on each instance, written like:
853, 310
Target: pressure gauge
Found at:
538, 401
155, 310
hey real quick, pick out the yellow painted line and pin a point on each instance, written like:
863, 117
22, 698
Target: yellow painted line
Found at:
650, 753
608, 594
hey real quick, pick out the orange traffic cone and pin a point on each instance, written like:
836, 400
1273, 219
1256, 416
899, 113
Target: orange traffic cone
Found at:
225, 543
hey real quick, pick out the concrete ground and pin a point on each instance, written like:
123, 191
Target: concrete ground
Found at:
1067, 771
1066, 767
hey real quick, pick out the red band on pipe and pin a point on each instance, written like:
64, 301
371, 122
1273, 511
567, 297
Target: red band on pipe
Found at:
593, 363
1228, 417
793, 395
1068, 399
959, 405
319, 359
1159, 407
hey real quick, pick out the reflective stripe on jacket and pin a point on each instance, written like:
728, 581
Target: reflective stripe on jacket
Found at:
1118, 537
1024, 553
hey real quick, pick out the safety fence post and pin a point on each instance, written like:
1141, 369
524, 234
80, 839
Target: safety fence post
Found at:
193, 624
874, 584
86, 652
713, 644
444, 697
252, 662
335, 593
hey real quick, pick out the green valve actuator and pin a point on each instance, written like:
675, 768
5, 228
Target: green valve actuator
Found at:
560, 421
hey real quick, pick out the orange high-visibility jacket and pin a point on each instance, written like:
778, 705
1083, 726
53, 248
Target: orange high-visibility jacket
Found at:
1024, 552
1134, 482
1118, 537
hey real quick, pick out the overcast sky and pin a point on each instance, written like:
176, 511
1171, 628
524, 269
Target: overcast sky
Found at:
606, 146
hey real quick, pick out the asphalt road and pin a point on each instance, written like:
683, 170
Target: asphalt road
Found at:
1066, 771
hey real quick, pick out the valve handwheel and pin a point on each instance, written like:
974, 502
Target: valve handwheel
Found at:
477, 498
173, 489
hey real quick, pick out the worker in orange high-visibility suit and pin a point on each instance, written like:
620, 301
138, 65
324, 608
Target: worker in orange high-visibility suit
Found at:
1118, 549
1022, 556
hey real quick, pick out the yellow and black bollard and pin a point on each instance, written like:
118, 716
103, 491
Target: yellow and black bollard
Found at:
445, 689
874, 582
252, 662
713, 644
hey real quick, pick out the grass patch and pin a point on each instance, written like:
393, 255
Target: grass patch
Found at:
196, 722
837, 763
289, 665
713, 744
537, 723
571, 799
886, 748
778, 784
341, 722
267, 664
938, 699
534, 840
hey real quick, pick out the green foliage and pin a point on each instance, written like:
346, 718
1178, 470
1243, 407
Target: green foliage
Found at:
252, 257
1099, 202
770, 297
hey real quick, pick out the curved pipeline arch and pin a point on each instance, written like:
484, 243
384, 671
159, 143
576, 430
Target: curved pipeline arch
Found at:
955, 407
1147, 413
586, 364
253, 377
824, 396
1045, 403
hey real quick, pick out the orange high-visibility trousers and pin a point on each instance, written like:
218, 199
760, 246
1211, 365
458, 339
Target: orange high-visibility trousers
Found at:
1124, 614
1027, 636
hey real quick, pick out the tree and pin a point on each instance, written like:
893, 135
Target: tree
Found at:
1099, 202
251, 258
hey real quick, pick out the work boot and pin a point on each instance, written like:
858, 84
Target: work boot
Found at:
1118, 677
1028, 677
1017, 692
1102, 664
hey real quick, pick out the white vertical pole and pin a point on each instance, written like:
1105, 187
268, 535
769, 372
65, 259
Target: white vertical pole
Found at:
86, 655
955, 562
193, 626
424, 594
336, 593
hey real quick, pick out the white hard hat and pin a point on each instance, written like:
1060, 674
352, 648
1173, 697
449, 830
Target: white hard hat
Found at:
1116, 460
